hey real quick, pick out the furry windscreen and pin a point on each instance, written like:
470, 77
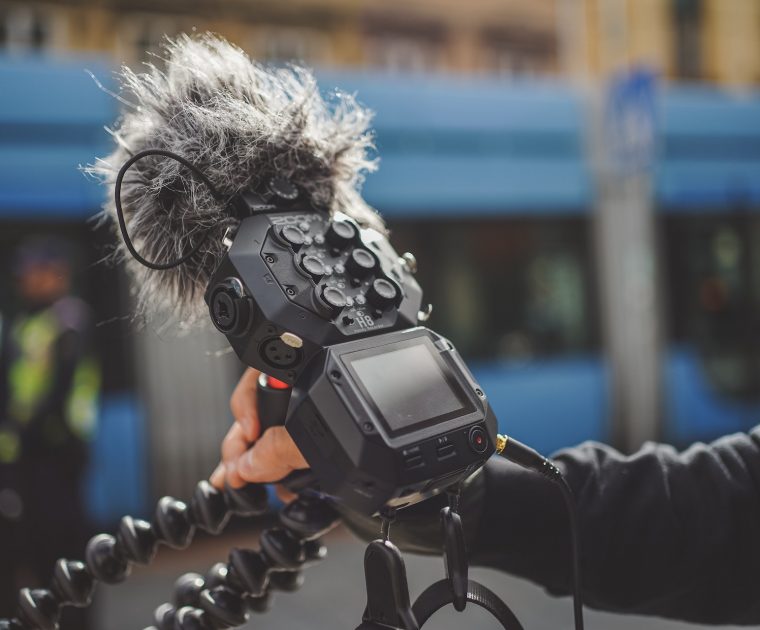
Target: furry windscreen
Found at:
240, 123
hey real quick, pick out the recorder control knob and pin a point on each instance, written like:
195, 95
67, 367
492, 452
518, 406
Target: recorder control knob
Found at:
360, 263
382, 294
313, 266
293, 236
334, 299
340, 234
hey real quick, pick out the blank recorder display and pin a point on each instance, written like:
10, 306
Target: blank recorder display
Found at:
408, 387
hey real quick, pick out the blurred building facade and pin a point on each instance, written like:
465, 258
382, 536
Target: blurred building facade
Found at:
705, 40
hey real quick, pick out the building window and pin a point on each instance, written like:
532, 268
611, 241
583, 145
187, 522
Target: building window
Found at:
404, 46
292, 44
506, 289
143, 36
688, 38
713, 265
519, 51
24, 29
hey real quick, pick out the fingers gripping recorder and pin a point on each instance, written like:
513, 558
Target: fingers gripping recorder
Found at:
385, 412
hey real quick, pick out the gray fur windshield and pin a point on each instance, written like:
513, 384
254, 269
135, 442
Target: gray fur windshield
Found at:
240, 123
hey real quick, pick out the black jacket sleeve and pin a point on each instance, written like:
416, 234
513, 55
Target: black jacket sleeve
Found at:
663, 533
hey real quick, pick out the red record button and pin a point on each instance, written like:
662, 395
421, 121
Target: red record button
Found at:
478, 440
276, 383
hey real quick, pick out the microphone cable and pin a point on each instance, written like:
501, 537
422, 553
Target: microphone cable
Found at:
120, 212
524, 456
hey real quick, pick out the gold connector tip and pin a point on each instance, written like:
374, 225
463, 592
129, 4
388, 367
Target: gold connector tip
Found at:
501, 443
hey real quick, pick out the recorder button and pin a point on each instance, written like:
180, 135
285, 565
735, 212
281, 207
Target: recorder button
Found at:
413, 457
340, 234
360, 263
478, 440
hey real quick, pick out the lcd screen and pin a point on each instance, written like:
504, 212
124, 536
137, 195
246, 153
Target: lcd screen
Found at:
408, 387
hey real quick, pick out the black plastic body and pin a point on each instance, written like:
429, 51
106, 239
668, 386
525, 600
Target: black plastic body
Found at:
272, 294
300, 292
356, 458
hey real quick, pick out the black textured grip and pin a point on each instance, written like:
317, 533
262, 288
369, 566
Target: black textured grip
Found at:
272, 403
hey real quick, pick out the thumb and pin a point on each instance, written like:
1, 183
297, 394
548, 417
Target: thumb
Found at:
273, 457
244, 404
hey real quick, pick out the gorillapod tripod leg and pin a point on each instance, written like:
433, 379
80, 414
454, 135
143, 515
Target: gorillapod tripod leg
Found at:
388, 605
226, 596
455, 551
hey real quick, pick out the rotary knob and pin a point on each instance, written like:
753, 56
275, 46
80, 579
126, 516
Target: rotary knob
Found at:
382, 294
313, 266
340, 234
283, 188
334, 299
360, 263
293, 236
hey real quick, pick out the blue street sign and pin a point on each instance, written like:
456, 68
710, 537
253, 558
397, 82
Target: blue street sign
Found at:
631, 120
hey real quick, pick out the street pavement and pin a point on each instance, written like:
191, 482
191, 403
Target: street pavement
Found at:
333, 595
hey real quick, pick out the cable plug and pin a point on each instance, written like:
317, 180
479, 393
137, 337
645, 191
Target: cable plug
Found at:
523, 455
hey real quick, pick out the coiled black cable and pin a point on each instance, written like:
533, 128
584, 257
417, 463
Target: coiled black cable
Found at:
120, 212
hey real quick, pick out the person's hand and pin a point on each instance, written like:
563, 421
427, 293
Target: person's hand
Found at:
248, 456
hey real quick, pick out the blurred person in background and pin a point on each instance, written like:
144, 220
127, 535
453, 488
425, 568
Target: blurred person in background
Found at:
49, 387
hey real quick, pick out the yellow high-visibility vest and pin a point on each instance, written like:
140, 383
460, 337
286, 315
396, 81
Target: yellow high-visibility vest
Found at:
31, 375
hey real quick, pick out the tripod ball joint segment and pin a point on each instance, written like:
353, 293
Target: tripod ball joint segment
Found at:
231, 591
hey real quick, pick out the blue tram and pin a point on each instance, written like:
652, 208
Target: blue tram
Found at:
489, 183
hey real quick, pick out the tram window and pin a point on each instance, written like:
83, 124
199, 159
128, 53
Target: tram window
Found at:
504, 288
713, 267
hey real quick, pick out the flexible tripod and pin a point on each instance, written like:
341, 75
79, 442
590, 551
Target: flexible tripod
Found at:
231, 591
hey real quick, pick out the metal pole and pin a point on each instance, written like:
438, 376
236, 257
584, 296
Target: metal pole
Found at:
626, 254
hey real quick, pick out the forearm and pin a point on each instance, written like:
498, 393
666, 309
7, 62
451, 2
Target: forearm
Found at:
667, 533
